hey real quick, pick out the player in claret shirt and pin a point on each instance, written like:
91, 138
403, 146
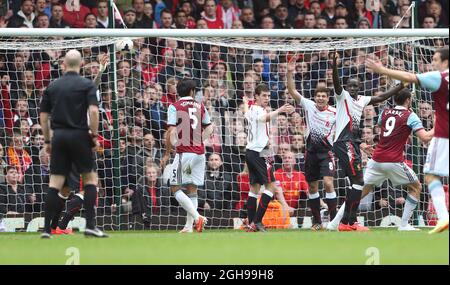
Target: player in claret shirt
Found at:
436, 165
189, 125
388, 160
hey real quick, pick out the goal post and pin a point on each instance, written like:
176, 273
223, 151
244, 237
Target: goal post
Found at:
138, 86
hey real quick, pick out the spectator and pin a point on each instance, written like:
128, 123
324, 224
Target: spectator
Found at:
202, 24
340, 23
36, 182
429, 22
42, 21
309, 21
219, 190
24, 16
267, 22
166, 20
129, 18
151, 197
314, 7
142, 20
210, 15
187, 7
74, 13
3, 164
329, 12
228, 12
180, 19
363, 23
282, 18
394, 21
12, 194
298, 149
148, 151
248, 18
56, 20
359, 11
90, 21
17, 156
321, 23
42, 7
297, 10
102, 14
292, 182
426, 115
243, 184
434, 8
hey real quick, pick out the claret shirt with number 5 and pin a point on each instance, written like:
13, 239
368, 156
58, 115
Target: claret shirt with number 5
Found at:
190, 118
258, 128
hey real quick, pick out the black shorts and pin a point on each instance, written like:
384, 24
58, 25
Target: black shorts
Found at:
71, 147
349, 155
318, 165
260, 169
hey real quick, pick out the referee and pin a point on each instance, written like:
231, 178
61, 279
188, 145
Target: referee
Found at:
67, 101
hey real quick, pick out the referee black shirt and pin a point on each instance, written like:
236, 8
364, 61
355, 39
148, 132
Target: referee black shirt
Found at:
67, 99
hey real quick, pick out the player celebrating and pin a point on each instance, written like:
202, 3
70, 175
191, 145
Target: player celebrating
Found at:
189, 123
388, 161
258, 157
348, 139
320, 118
436, 165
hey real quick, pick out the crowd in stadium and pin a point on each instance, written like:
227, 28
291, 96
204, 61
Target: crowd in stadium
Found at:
146, 86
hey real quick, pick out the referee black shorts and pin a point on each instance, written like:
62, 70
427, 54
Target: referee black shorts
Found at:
260, 168
71, 147
349, 155
318, 164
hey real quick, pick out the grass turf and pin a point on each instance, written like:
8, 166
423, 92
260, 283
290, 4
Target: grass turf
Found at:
232, 247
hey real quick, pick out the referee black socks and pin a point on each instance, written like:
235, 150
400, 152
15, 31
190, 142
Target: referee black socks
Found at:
90, 197
51, 205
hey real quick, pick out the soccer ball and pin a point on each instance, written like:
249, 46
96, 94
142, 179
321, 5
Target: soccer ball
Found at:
124, 45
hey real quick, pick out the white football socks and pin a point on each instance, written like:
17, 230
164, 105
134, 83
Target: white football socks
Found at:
187, 204
410, 206
438, 195
190, 218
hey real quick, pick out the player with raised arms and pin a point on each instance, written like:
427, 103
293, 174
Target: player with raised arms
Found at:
189, 124
259, 157
347, 140
436, 165
388, 160
319, 164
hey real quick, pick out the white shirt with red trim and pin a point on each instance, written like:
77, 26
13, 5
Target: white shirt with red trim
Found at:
320, 123
258, 128
348, 115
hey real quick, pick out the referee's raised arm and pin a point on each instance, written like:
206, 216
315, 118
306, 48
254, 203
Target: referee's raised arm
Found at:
65, 106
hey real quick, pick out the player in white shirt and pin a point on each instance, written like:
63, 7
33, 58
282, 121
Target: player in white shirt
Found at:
320, 118
259, 157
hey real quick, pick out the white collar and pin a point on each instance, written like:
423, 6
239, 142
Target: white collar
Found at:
400, 108
187, 98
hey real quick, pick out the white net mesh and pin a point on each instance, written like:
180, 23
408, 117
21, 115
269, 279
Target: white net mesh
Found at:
133, 192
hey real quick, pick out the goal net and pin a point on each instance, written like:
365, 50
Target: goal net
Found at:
135, 91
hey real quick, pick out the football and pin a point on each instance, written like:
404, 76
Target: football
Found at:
124, 45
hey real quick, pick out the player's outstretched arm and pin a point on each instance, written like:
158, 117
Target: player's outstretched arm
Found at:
104, 61
425, 136
207, 132
388, 94
290, 81
284, 109
336, 81
376, 66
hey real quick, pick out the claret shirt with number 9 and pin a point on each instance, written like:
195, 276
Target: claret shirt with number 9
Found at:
190, 118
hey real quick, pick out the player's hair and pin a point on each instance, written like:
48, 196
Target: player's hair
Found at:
262, 87
322, 90
443, 52
401, 97
185, 86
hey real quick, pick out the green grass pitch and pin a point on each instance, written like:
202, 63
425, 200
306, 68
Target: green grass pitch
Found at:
285, 247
